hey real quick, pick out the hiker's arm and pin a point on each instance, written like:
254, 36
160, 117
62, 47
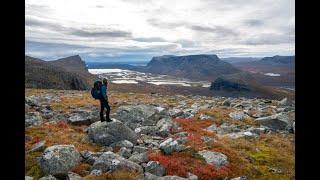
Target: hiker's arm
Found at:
104, 92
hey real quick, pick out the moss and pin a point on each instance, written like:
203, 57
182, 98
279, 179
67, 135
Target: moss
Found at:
32, 167
262, 157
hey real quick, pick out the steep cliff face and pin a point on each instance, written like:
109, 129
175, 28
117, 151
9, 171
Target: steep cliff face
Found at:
67, 73
195, 67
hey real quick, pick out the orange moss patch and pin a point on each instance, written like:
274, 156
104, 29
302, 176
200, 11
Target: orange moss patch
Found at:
59, 134
179, 163
80, 169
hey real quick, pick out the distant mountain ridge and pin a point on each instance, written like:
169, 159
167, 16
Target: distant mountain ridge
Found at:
240, 59
194, 67
277, 60
66, 73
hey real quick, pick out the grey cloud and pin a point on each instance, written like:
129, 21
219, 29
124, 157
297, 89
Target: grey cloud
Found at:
254, 22
88, 32
151, 39
100, 33
162, 24
218, 30
270, 39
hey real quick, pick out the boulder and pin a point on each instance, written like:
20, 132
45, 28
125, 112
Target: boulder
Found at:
124, 143
32, 119
139, 157
277, 122
175, 113
203, 116
96, 172
83, 117
48, 177
241, 178
107, 133
111, 161
283, 102
124, 152
39, 146
169, 146
191, 176
135, 114
164, 126
139, 149
74, 176
214, 158
238, 115
226, 102
146, 130
59, 159
154, 167
28, 178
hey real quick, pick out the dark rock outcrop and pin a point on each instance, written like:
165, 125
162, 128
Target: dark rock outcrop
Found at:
67, 73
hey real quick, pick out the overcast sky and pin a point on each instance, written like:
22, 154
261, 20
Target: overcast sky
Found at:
123, 30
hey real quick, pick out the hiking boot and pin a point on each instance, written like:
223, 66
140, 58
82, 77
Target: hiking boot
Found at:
109, 120
102, 119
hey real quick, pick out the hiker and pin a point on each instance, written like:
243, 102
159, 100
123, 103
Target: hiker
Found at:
104, 101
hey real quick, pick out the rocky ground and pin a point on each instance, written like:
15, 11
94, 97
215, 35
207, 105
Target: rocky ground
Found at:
156, 136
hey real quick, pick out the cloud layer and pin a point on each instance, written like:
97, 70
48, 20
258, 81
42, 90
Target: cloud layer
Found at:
124, 30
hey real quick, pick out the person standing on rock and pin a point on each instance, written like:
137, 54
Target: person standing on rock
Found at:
104, 101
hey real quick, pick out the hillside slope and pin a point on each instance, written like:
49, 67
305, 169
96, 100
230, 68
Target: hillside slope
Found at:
67, 73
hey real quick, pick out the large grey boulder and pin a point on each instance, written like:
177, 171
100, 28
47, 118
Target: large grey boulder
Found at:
238, 115
32, 119
168, 146
154, 167
132, 116
277, 122
111, 161
139, 157
214, 158
28, 178
57, 160
83, 117
108, 133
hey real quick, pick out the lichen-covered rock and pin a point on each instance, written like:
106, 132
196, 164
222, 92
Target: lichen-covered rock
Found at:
154, 167
108, 133
111, 161
57, 160
169, 146
214, 158
32, 119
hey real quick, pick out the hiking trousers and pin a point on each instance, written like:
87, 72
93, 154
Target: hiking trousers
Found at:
104, 104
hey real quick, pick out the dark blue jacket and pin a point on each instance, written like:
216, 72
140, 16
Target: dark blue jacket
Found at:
104, 92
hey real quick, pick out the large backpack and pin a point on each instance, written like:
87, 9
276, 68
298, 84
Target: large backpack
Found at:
96, 90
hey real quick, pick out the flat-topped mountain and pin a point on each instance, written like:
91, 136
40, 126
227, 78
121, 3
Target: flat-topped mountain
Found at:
195, 67
244, 84
67, 73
